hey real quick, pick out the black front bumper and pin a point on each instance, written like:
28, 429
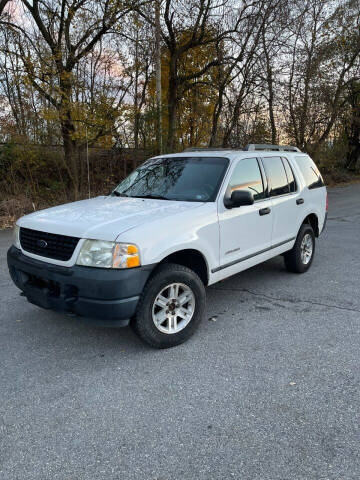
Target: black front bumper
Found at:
110, 296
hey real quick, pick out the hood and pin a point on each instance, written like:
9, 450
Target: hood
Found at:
102, 218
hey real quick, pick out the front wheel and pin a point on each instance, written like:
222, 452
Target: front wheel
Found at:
300, 257
171, 306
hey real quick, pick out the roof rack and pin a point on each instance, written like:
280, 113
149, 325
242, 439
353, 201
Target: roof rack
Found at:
265, 146
204, 149
249, 147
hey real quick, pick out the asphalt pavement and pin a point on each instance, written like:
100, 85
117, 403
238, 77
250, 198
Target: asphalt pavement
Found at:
268, 388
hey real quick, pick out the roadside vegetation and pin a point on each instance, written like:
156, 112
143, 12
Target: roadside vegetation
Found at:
89, 89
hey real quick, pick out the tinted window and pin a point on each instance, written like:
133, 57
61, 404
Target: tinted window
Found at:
247, 176
290, 175
193, 179
311, 174
277, 176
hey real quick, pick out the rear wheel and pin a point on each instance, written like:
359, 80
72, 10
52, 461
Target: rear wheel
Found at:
300, 257
171, 306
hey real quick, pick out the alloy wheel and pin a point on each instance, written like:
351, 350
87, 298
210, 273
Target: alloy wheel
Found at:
306, 248
173, 308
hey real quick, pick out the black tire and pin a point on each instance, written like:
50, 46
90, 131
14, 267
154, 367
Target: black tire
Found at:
143, 323
293, 259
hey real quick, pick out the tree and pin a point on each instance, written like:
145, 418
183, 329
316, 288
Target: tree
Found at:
53, 41
352, 125
185, 27
241, 48
322, 56
274, 36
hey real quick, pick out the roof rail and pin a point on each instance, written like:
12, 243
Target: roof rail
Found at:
204, 149
265, 146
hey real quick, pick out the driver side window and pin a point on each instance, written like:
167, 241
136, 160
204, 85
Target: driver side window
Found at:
247, 176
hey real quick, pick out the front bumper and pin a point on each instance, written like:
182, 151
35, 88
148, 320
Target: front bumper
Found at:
110, 296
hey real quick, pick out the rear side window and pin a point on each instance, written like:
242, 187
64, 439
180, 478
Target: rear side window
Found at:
247, 176
290, 175
311, 174
276, 175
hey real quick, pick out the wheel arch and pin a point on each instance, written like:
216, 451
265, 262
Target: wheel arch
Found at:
312, 219
192, 259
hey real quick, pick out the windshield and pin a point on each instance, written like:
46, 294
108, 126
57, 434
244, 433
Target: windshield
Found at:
192, 179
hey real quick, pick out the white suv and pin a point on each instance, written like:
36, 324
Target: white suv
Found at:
145, 253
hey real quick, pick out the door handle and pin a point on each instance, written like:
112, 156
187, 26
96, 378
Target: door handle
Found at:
299, 201
264, 211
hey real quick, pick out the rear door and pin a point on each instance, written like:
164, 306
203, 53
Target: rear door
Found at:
314, 194
283, 191
245, 231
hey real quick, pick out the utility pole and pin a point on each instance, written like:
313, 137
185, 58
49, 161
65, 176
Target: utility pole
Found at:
158, 76
136, 94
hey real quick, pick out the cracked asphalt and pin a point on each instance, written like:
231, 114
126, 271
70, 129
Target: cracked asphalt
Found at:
267, 389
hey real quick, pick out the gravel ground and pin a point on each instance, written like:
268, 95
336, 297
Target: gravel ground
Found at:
267, 389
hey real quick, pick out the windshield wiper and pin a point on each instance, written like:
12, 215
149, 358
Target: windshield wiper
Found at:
154, 197
118, 194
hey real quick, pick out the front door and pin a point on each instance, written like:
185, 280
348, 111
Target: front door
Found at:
245, 232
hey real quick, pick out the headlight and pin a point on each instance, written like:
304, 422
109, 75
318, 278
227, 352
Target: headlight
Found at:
96, 253
16, 236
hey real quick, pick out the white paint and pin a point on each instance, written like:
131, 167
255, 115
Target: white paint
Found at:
161, 227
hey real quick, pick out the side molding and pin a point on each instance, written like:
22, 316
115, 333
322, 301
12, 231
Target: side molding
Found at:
214, 270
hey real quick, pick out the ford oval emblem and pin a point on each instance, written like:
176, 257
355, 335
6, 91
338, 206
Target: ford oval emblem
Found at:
41, 243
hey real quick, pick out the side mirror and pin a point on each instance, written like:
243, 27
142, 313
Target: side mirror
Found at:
239, 198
